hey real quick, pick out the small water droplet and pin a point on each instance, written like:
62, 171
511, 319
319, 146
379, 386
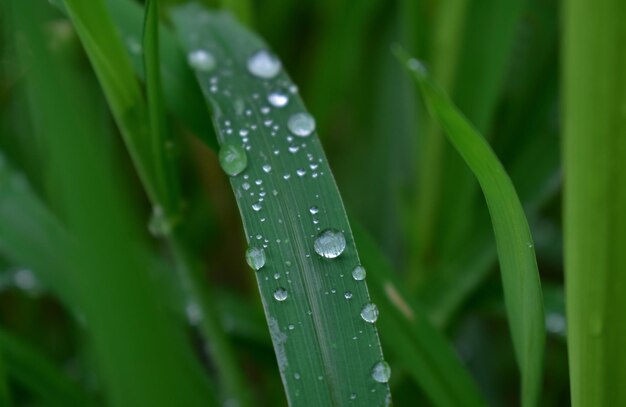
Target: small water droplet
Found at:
280, 294
330, 243
301, 124
369, 313
314, 210
233, 159
381, 372
255, 257
159, 224
245, 186
267, 168
201, 60
296, 376
359, 273
347, 295
257, 206
278, 99
264, 65
353, 396
416, 65
291, 327
300, 172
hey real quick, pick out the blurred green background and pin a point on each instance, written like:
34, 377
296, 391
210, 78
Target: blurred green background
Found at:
398, 177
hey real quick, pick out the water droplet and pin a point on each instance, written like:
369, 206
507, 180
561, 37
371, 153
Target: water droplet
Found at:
291, 327
194, 313
300, 172
381, 372
296, 376
267, 168
264, 65
353, 396
347, 295
314, 210
245, 186
233, 159
278, 99
359, 273
255, 257
280, 294
369, 313
417, 66
257, 206
159, 224
301, 124
201, 60
330, 243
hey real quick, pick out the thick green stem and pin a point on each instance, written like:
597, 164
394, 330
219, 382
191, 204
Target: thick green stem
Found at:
594, 94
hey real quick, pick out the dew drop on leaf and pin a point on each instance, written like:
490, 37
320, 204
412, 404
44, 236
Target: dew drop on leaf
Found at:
330, 243
369, 313
264, 65
280, 294
301, 124
381, 372
359, 273
278, 99
255, 257
201, 60
233, 159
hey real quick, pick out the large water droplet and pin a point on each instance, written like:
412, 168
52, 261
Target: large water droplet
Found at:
359, 273
278, 99
264, 65
280, 294
233, 159
201, 60
330, 243
301, 124
381, 372
255, 257
369, 313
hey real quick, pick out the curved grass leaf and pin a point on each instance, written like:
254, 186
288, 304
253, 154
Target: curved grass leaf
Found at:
287, 196
520, 277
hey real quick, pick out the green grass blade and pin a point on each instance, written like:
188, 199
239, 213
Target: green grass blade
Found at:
148, 150
108, 57
165, 176
42, 378
182, 96
106, 260
594, 92
520, 277
410, 338
313, 329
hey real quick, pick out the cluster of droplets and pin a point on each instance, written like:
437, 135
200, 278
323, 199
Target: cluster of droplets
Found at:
329, 243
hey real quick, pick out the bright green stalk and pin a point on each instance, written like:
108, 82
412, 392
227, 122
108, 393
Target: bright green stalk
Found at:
594, 95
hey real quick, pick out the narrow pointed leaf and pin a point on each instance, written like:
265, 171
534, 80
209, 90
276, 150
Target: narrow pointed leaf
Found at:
287, 196
518, 265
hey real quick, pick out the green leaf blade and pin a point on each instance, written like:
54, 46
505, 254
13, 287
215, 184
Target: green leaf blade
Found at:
520, 277
325, 350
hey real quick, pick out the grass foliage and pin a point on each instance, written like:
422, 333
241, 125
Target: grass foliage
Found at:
125, 231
